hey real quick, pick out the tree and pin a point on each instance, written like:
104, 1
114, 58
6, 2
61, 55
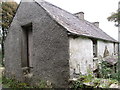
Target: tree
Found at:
115, 17
7, 13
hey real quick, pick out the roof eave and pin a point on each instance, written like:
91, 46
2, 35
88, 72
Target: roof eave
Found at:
73, 34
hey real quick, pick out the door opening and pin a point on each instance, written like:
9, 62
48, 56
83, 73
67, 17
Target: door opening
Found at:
94, 47
27, 41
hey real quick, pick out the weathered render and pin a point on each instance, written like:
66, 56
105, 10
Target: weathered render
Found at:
50, 57
80, 59
81, 54
102, 45
50, 44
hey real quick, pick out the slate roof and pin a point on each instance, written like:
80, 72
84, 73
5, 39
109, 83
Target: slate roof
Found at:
72, 23
112, 60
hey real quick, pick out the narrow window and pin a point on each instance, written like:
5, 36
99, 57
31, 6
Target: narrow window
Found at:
94, 48
27, 47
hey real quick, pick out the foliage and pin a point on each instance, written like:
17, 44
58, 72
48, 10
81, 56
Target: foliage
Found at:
7, 12
12, 83
80, 83
90, 81
107, 72
41, 84
77, 84
115, 17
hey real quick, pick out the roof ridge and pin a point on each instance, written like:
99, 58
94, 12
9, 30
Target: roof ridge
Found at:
91, 24
39, 1
71, 23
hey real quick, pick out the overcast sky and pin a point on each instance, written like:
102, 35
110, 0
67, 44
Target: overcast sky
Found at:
95, 10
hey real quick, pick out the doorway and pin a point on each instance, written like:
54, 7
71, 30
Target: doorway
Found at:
27, 44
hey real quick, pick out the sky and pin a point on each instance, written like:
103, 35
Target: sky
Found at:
94, 11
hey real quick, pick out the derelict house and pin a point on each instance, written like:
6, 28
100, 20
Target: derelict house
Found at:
47, 43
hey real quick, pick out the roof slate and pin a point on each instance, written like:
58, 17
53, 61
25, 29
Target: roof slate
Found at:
72, 23
111, 59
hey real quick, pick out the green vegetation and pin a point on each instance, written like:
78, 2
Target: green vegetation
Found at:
106, 79
12, 83
107, 72
7, 12
115, 17
88, 82
84, 81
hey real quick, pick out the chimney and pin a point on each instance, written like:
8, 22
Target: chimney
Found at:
80, 15
96, 24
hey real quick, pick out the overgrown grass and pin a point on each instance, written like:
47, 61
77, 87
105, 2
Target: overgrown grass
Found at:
108, 72
12, 83
89, 81
107, 78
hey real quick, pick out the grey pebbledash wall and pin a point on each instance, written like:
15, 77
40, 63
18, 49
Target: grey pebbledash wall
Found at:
50, 52
13, 53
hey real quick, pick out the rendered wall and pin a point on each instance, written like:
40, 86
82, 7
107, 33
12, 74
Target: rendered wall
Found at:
101, 47
50, 57
81, 55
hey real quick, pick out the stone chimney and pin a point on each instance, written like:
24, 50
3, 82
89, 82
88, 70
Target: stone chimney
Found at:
96, 24
80, 15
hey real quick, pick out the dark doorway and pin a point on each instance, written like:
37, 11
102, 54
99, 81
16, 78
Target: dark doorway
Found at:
94, 47
27, 41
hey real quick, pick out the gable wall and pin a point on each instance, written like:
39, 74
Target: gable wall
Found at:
13, 53
50, 58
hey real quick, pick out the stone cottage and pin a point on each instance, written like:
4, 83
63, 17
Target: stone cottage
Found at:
47, 43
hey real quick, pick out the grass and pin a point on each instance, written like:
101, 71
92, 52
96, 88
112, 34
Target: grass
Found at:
12, 83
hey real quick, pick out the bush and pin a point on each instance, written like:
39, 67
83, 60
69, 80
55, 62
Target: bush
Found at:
107, 72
